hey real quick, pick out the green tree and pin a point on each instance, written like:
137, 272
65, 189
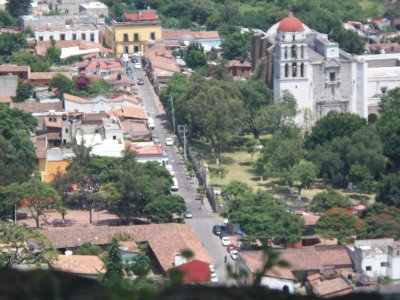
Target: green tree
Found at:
262, 217
113, 263
23, 91
23, 58
7, 20
328, 199
62, 83
18, 8
26, 246
89, 249
339, 223
163, 208
99, 87
11, 42
251, 147
388, 190
139, 265
361, 176
53, 54
39, 196
349, 41
302, 175
388, 126
236, 45
333, 125
236, 189
195, 56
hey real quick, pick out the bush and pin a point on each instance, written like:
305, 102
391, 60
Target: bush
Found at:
89, 249
328, 199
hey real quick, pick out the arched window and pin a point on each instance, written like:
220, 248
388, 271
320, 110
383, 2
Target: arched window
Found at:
294, 69
294, 52
285, 52
302, 51
302, 70
286, 70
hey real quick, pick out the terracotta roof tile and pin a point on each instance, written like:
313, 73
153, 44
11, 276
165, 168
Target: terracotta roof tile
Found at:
179, 237
5, 99
37, 107
80, 264
45, 75
195, 271
13, 68
144, 148
40, 145
129, 98
148, 15
76, 99
331, 288
129, 246
127, 112
238, 63
104, 64
174, 34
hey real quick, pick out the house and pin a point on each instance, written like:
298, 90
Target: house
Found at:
37, 108
100, 104
309, 237
103, 67
130, 113
382, 48
176, 38
279, 278
136, 29
120, 82
86, 32
21, 71
129, 250
147, 151
194, 271
330, 288
164, 240
239, 68
377, 257
73, 48
8, 85
89, 266
95, 8
43, 78
51, 124
135, 130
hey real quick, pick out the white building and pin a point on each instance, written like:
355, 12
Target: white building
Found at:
94, 8
87, 32
322, 77
98, 104
378, 257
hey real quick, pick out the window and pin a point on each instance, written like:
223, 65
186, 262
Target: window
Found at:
51, 38
64, 141
153, 36
114, 137
294, 51
302, 51
92, 37
136, 49
136, 37
41, 38
384, 264
66, 130
62, 37
302, 70
126, 39
126, 49
294, 69
287, 70
384, 89
285, 52
294, 37
83, 36
74, 36
332, 76
368, 268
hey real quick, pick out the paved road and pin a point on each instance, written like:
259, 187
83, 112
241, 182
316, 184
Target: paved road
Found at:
203, 217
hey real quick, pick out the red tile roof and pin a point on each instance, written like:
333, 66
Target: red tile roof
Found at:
290, 24
144, 148
76, 99
5, 99
13, 68
173, 34
195, 271
148, 15
40, 145
129, 98
127, 112
104, 64
238, 63
80, 264
45, 75
331, 288
37, 107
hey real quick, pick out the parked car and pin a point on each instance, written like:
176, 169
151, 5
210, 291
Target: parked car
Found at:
231, 247
214, 278
128, 69
212, 269
175, 186
234, 254
137, 65
129, 75
225, 241
140, 81
217, 229
223, 233
188, 214
134, 60
169, 141
150, 123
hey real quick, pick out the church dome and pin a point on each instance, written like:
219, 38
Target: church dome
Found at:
290, 24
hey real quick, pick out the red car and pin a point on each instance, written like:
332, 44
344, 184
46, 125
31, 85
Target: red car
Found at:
140, 81
231, 247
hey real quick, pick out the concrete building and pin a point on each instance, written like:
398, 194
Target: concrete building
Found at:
323, 78
175, 38
8, 85
377, 257
94, 8
66, 7
131, 35
87, 32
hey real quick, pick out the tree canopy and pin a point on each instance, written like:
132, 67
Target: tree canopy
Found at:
328, 199
11, 42
18, 8
162, 208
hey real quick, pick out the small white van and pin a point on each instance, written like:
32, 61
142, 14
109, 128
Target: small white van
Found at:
150, 123
175, 186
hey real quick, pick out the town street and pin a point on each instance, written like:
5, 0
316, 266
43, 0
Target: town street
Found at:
203, 217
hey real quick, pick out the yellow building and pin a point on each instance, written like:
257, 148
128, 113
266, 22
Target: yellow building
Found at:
131, 35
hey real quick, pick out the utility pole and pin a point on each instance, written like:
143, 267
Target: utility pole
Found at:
173, 113
182, 129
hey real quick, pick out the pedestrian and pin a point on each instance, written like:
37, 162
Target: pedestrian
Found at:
225, 259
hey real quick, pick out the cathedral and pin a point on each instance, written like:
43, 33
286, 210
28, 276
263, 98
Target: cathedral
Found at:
321, 76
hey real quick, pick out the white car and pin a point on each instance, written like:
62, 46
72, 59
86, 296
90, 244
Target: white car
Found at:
170, 169
175, 186
169, 141
225, 241
214, 278
234, 254
212, 269
137, 65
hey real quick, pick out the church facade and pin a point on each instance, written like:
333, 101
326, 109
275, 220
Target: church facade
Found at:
321, 76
